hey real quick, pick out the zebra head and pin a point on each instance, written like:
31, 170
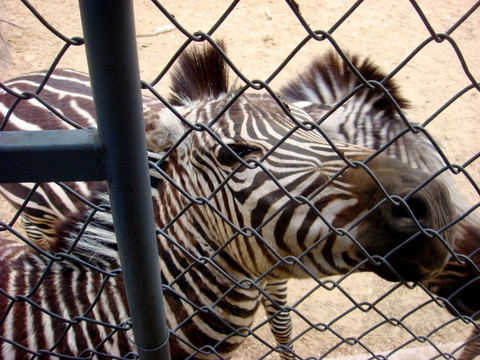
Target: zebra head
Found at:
260, 186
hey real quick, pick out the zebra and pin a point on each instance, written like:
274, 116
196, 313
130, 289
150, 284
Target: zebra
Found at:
287, 195
47, 203
369, 119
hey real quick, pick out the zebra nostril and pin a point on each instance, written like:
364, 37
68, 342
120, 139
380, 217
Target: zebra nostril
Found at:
417, 207
404, 216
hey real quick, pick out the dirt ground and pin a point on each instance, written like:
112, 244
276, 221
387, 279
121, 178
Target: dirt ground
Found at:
259, 36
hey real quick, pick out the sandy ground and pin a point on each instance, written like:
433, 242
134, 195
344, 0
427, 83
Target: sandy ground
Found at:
259, 35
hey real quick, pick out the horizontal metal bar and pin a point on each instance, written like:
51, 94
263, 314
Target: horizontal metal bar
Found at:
51, 155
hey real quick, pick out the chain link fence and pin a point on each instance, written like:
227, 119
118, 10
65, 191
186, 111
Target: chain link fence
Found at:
430, 50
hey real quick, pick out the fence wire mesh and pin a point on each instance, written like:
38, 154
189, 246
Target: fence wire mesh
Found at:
75, 286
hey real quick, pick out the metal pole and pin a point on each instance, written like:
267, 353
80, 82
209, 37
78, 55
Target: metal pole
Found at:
109, 32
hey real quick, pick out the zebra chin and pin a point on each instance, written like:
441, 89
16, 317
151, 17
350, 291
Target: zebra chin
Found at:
417, 257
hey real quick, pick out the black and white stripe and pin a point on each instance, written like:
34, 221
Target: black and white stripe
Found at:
236, 197
369, 119
70, 91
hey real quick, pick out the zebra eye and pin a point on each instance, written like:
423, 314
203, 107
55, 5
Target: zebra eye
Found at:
227, 156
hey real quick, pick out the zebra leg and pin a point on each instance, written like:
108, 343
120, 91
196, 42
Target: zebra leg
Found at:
39, 213
472, 350
281, 321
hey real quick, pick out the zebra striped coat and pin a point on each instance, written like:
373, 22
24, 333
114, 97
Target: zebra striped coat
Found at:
275, 203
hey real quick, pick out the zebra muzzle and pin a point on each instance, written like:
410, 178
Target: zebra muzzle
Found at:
408, 232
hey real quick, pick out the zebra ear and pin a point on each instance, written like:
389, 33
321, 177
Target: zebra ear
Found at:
162, 130
201, 73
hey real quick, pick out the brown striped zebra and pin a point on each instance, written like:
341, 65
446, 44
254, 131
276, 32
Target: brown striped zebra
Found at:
247, 199
369, 119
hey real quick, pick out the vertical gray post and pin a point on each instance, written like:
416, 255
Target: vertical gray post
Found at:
109, 32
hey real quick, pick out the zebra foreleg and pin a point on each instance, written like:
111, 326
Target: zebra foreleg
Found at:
281, 322
472, 349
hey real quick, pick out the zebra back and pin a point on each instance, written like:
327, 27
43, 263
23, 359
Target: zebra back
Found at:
63, 102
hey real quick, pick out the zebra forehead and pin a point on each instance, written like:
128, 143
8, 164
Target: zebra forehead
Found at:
257, 120
261, 109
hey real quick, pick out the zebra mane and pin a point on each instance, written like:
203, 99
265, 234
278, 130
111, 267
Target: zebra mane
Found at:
202, 73
97, 244
328, 80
